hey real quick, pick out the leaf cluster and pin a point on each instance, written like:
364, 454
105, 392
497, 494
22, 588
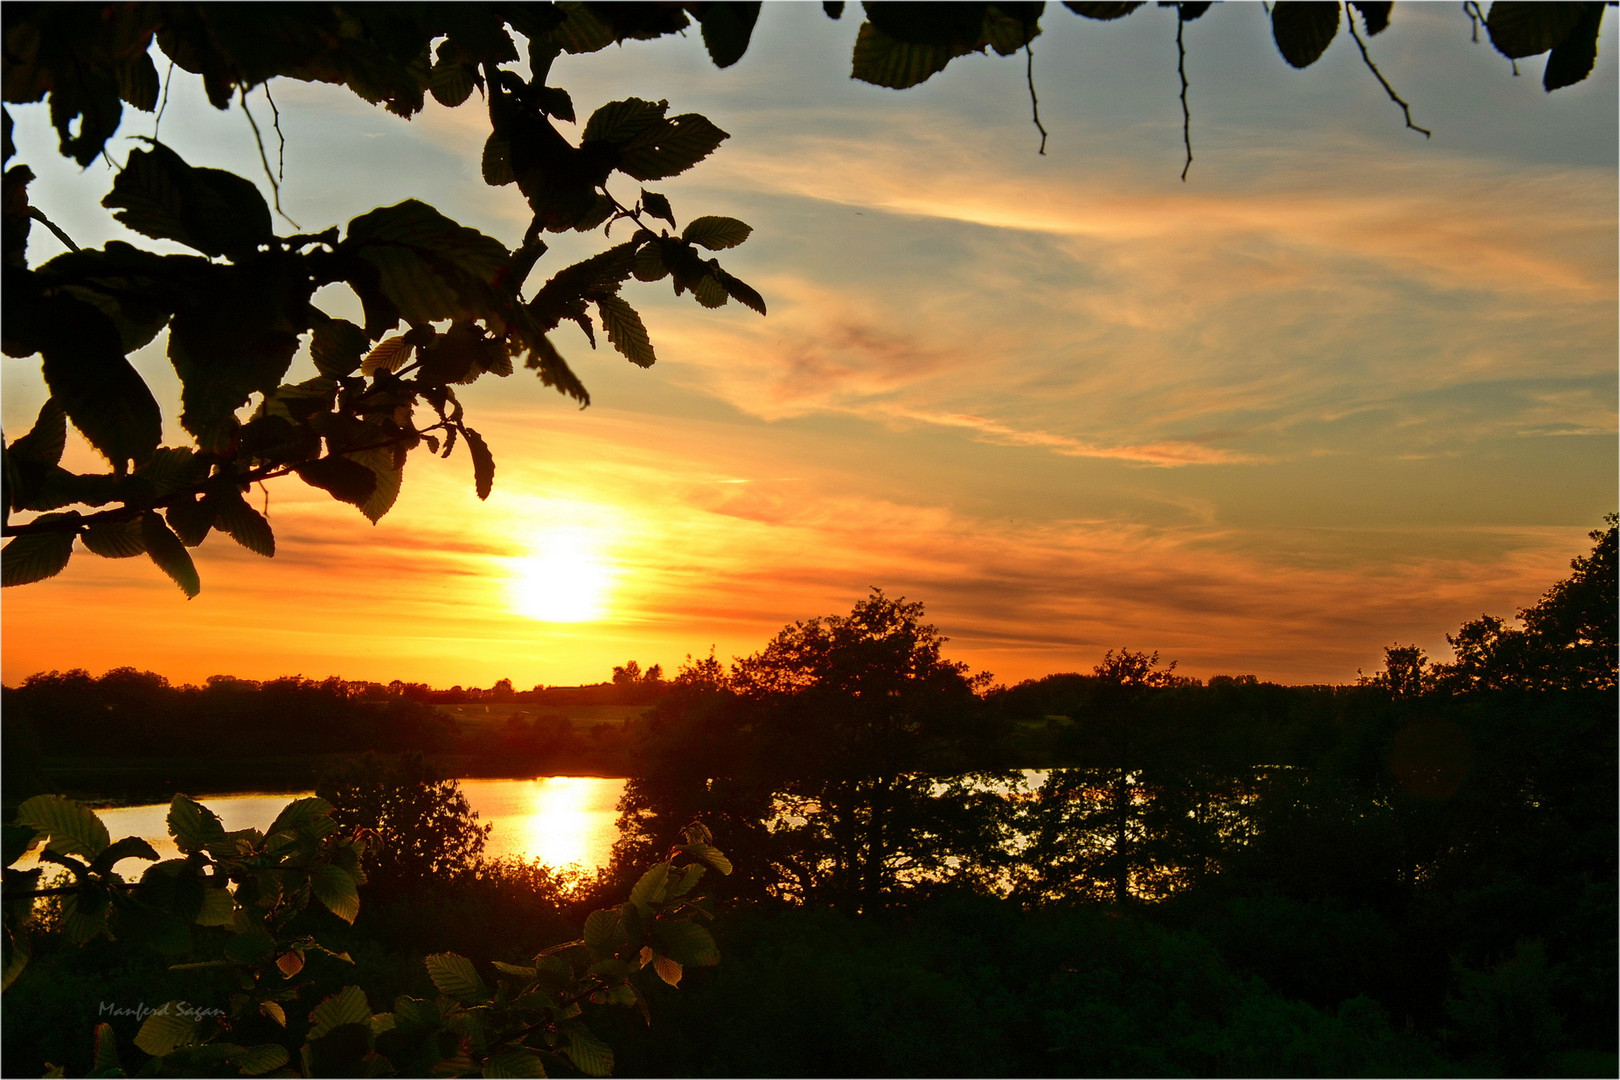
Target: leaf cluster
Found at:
239, 894
443, 304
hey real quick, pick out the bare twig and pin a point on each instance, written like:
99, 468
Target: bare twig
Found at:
1475, 17
38, 215
1186, 113
157, 121
1029, 75
281, 140
1406, 109
264, 159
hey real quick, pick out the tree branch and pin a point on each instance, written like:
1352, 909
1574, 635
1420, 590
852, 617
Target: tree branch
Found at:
1406, 109
1186, 113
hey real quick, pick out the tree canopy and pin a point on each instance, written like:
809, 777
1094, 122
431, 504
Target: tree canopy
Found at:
443, 304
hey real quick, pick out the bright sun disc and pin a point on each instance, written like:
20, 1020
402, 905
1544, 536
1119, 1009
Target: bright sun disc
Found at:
565, 580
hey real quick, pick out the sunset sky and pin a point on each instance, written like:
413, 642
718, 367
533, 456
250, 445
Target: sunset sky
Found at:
1342, 387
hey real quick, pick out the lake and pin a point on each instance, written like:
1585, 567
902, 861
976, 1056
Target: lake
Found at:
561, 820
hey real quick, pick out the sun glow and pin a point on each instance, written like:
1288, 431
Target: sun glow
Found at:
566, 579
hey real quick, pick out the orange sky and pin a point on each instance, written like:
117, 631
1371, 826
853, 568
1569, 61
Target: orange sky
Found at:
1343, 387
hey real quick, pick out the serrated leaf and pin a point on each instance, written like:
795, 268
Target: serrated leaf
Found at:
709, 292
171, 469
47, 439
35, 557
166, 1030
1303, 29
73, 829
290, 964
347, 1006
243, 524
169, 553
650, 888
338, 346
516, 971
483, 462
727, 27
388, 474
618, 122
411, 283
604, 931
514, 1061
1518, 30
114, 539
740, 291
625, 330
130, 847
885, 61
657, 206
274, 1011
686, 942
334, 887
341, 477
1573, 59
85, 368
716, 233
192, 824
210, 210
258, 1060
217, 908
311, 815
670, 147
454, 976
710, 855
668, 970
190, 518
496, 163
590, 1055
451, 81
106, 1043
649, 264
390, 354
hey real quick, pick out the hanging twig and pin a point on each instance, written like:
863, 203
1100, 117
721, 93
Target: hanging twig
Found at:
1029, 75
258, 138
1186, 113
157, 121
281, 140
1388, 89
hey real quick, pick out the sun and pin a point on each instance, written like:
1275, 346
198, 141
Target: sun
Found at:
565, 579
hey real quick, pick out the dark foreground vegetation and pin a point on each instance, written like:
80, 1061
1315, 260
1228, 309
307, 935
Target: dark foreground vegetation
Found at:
1411, 876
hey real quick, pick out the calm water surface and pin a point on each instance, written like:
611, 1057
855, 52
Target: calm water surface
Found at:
561, 820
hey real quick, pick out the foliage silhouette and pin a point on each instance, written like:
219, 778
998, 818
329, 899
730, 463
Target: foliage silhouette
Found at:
444, 305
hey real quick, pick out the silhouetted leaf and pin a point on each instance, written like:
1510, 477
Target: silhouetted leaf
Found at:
412, 285
709, 292
418, 225
169, 553
114, 539
882, 61
73, 829
650, 888
138, 81
210, 210
1572, 59
1303, 29
1373, 13
338, 346
451, 81
726, 28
47, 439
102, 394
604, 931
341, 477
334, 887
244, 524
716, 233
496, 162
37, 556
387, 473
171, 469
190, 518
554, 100
192, 824
454, 976
483, 462
649, 264
1519, 30
657, 206
1102, 11
581, 31
625, 330
130, 847
741, 291
670, 147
